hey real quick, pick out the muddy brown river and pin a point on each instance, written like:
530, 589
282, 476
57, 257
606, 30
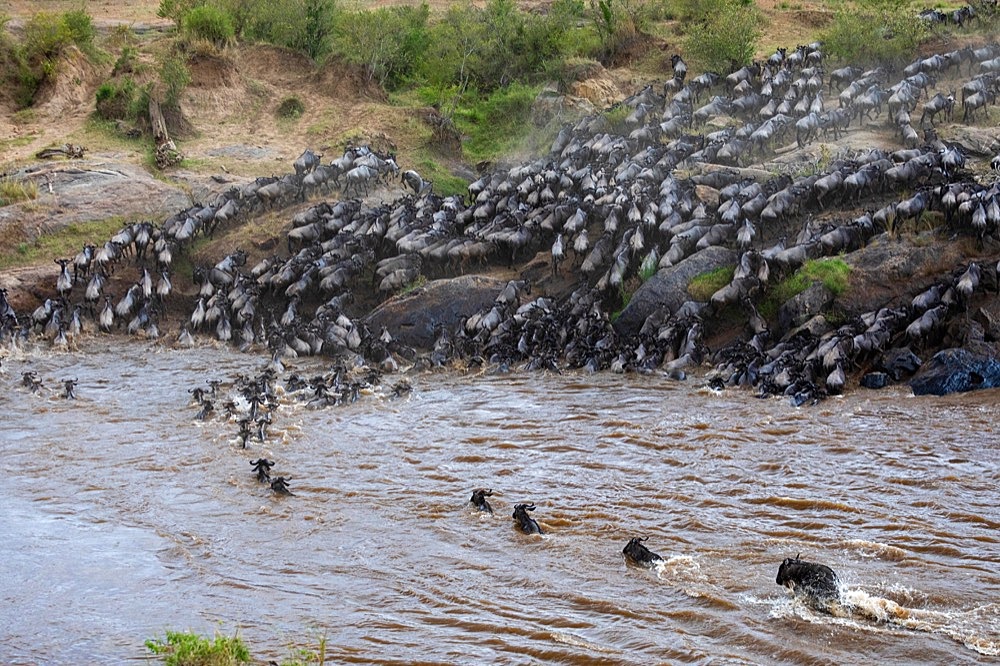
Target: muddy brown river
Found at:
124, 517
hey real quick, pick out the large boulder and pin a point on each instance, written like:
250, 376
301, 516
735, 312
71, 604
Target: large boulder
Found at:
668, 288
802, 307
899, 362
413, 318
956, 371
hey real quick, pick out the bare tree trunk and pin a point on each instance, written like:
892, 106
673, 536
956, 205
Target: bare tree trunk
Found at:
166, 152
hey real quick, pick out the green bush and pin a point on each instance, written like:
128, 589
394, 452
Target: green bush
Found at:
388, 42
303, 25
175, 10
694, 10
174, 75
13, 191
617, 24
116, 100
874, 33
727, 38
833, 272
209, 23
32, 61
495, 124
80, 29
291, 107
614, 119
188, 649
127, 61
491, 47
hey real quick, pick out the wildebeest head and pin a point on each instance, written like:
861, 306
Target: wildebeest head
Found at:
636, 553
479, 499
809, 578
526, 523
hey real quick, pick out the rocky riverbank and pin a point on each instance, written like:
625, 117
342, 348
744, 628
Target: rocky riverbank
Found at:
745, 245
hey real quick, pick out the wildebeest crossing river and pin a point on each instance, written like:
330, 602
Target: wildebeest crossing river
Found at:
124, 517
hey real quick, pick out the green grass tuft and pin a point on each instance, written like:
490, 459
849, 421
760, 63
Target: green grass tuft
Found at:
12, 191
63, 243
497, 124
703, 286
833, 272
291, 108
189, 649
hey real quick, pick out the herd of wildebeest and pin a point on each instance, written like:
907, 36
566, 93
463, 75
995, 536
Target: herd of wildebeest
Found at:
609, 202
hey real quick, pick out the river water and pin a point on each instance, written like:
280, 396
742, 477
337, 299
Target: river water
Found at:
125, 517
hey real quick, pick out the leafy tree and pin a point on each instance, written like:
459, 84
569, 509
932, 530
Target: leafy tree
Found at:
727, 38
875, 31
389, 42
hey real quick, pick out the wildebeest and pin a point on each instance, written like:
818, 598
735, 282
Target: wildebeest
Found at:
524, 522
262, 468
306, 162
280, 486
479, 500
413, 180
816, 582
636, 553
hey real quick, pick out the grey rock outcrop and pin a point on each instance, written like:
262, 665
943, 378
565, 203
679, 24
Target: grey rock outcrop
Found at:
957, 371
413, 319
668, 288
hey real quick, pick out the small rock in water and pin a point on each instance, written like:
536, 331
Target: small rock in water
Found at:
875, 380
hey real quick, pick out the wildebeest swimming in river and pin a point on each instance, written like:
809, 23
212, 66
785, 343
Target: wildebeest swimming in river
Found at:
479, 500
636, 553
817, 583
526, 523
262, 467
280, 486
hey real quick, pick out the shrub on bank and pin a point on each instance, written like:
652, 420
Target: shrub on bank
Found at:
704, 285
32, 61
833, 272
389, 42
875, 32
116, 99
494, 124
209, 23
13, 191
291, 108
727, 38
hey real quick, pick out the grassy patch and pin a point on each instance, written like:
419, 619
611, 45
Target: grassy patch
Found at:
413, 286
12, 191
63, 243
17, 141
833, 272
703, 286
624, 297
291, 108
445, 184
497, 124
188, 649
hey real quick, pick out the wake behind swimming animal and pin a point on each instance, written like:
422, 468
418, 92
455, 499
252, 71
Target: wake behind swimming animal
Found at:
479, 500
526, 523
636, 553
817, 583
